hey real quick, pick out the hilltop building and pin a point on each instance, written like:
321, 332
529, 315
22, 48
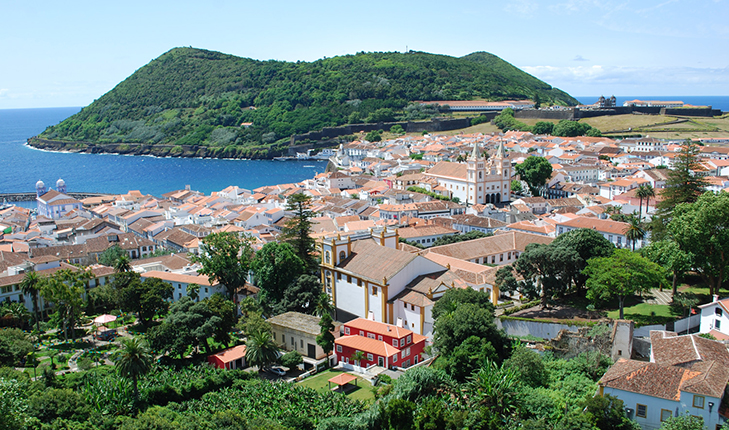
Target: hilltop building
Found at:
54, 204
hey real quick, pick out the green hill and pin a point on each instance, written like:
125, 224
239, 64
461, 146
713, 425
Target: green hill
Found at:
195, 97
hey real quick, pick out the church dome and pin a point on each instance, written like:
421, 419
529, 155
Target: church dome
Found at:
60, 183
40, 184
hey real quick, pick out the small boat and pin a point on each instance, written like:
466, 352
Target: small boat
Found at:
284, 158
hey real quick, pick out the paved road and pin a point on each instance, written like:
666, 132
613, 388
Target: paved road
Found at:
660, 297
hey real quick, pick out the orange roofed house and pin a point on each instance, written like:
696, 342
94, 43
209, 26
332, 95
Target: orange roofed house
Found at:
382, 344
231, 358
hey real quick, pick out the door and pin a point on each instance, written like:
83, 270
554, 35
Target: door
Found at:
311, 350
380, 361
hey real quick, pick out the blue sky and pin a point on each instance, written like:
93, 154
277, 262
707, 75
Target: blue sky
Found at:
70, 53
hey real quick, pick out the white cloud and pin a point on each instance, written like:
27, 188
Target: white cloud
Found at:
3, 91
579, 57
522, 7
643, 80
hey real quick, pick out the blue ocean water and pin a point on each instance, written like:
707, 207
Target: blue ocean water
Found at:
717, 102
21, 166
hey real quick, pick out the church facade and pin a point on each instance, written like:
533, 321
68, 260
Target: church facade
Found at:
479, 180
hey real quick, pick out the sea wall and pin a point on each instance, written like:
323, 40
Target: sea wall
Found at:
31, 196
409, 126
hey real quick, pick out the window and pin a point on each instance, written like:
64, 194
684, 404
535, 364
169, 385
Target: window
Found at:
665, 414
374, 291
410, 338
379, 337
718, 312
394, 342
301, 343
273, 335
717, 324
346, 330
339, 348
371, 335
699, 402
349, 279
402, 342
405, 305
361, 333
394, 358
292, 341
501, 257
406, 352
341, 256
328, 257
369, 357
641, 410
412, 307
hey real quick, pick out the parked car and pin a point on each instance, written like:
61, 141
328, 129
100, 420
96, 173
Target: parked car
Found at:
277, 370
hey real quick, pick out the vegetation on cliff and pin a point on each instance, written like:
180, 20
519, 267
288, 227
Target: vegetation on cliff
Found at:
191, 96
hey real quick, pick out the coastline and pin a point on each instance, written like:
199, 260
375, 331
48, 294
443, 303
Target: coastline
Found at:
144, 150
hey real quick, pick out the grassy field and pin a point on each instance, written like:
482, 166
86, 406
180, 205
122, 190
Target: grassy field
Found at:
320, 382
653, 125
645, 314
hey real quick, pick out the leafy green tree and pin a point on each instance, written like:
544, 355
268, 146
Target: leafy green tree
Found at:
146, 298
276, 267
453, 298
303, 295
14, 407
189, 324
254, 323
14, 347
397, 129
297, 231
683, 422
534, 171
225, 257
529, 366
516, 187
506, 280
621, 275
547, 270
15, 314
291, 359
456, 238
373, 136
357, 357
543, 127
261, 350
700, 230
685, 301
31, 285
471, 355
65, 291
588, 243
607, 413
570, 128
669, 255
135, 360
454, 328
111, 255
325, 339
494, 393
53, 403
398, 415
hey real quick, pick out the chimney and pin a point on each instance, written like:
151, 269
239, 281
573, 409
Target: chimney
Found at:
399, 322
716, 298
371, 316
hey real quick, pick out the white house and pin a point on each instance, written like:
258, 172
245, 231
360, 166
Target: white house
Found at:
687, 375
366, 276
715, 318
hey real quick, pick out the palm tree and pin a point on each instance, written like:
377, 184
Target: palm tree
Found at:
640, 193
17, 312
122, 264
357, 357
31, 285
323, 305
135, 360
650, 193
634, 231
261, 350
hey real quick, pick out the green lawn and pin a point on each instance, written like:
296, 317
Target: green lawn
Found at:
645, 313
320, 382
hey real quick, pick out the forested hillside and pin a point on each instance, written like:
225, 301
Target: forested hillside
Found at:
191, 96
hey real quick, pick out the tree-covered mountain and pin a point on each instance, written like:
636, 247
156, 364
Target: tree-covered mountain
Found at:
191, 96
